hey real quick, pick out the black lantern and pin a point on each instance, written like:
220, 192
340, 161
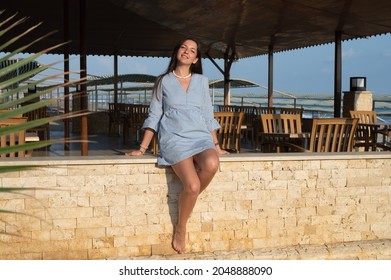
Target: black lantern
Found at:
358, 83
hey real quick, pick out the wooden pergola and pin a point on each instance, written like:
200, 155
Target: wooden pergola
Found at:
228, 30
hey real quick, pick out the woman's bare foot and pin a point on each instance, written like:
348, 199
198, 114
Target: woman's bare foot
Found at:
179, 240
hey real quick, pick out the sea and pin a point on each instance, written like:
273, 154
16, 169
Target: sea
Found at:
315, 105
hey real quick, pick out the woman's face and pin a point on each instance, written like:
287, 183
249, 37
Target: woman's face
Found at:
187, 53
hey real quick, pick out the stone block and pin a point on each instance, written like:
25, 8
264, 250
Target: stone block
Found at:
102, 253
77, 244
66, 255
62, 234
43, 246
93, 222
240, 176
85, 233
357, 101
311, 165
107, 200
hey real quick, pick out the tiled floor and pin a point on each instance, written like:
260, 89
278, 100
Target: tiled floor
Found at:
357, 250
99, 145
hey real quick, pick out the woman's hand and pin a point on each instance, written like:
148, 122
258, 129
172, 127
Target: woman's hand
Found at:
138, 152
221, 152
134, 153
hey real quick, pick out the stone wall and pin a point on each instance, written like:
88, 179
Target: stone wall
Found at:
116, 207
356, 101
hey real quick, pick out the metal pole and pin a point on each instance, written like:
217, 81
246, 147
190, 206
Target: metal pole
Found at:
270, 77
115, 79
96, 98
83, 76
66, 73
337, 74
227, 99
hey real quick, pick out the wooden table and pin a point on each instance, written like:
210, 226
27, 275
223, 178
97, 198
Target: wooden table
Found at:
32, 137
278, 139
368, 134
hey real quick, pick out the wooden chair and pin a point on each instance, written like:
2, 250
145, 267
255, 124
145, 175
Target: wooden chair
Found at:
134, 120
227, 108
276, 130
364, 116
265, 110
293, 111
258, 122
249, 123
116, 117
230, 130
13, 138
330, 135
43, 131
366, 134
366, 137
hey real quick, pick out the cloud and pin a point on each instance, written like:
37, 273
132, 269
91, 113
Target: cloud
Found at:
100, 65
126, 65
327, 70
387, 53
350, 53
136, 67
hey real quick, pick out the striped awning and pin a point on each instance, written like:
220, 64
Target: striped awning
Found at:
20, 70
234, 83
126, 78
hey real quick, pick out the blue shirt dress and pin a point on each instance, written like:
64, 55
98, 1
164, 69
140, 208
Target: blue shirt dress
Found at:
183, 120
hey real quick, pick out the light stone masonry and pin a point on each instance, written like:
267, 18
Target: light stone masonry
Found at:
259, 206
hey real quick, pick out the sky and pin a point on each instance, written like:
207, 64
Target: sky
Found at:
308, 71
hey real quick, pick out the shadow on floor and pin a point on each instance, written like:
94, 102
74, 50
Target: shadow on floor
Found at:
99, 145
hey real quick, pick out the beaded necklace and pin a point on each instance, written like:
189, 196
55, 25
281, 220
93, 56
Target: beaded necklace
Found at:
181, 77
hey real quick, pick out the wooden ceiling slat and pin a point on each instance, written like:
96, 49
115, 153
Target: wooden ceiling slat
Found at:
150, 28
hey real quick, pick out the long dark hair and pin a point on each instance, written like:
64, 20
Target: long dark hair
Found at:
194, 68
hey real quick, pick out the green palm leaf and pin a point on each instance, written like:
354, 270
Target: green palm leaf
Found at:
14, 74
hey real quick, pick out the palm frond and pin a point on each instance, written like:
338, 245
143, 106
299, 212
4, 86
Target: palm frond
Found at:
15, 75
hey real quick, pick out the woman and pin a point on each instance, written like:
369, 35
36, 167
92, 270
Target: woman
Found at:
181, 113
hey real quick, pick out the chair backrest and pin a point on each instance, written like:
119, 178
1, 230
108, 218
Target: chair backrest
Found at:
281, 123
293, 111
368, 117
227, 108
36, 114
249, 114
13, 138
112, 108
136, 114
265, 110
115, 111
230, 129
333, 134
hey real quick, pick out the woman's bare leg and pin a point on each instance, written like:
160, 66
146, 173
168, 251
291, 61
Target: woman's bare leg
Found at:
186, 172
208, 164
193, 183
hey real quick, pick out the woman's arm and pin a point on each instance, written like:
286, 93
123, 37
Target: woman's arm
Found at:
208, 113
151, 124
207, 107
147, 138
